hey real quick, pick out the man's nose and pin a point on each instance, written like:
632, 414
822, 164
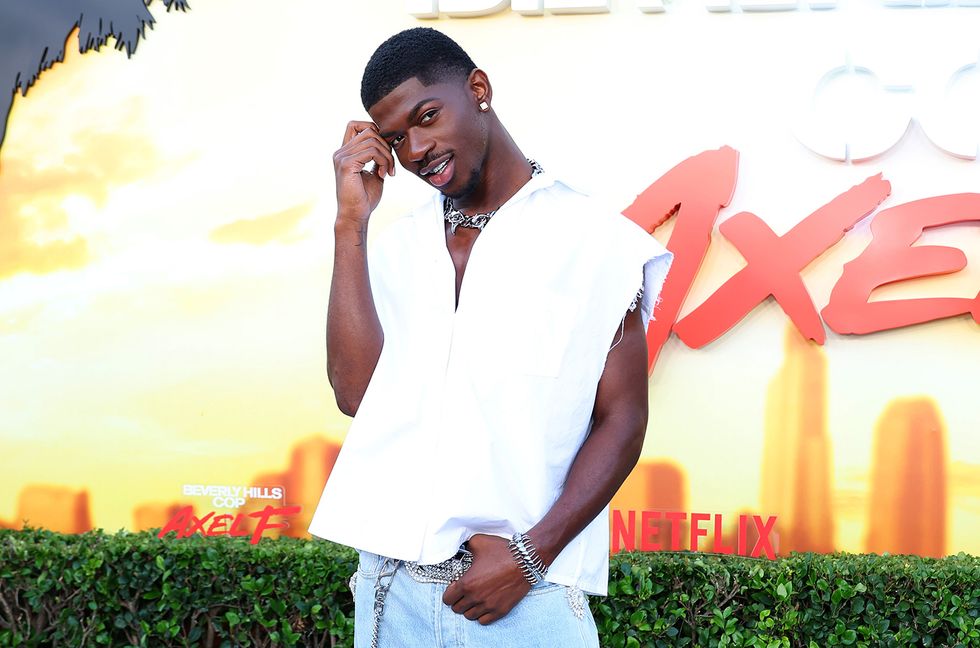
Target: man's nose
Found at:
418, 146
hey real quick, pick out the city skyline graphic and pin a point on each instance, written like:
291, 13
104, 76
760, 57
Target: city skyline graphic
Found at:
909, 478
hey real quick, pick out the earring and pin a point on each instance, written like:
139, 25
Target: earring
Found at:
484, 106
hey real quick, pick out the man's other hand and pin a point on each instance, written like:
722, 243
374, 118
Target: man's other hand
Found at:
493, 584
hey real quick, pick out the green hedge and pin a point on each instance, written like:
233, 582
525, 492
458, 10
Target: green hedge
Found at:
806, 600
132, 589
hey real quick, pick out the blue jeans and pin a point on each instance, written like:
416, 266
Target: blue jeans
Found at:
415, 616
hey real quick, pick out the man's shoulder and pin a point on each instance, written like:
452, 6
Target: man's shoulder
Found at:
587, 214
590, 222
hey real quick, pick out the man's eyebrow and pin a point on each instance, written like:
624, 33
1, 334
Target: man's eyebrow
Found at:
411, 115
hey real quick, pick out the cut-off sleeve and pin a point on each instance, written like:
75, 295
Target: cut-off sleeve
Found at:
636, 300
632, 307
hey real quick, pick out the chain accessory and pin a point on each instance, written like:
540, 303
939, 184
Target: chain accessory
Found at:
527, 558
381, 587
456, 218
445, 573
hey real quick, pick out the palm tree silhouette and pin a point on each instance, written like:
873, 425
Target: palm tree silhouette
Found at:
33, 35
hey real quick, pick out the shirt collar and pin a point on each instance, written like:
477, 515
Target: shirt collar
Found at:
541, 181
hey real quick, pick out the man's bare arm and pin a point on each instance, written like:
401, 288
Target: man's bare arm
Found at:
619, 422
494, 584
354, 333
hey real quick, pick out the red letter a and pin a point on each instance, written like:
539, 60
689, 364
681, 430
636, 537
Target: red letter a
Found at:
179, 522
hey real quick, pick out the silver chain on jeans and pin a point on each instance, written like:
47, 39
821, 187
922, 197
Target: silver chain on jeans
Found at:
381, 587
445, 573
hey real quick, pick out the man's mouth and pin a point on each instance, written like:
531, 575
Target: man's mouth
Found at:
436, 168
439, 174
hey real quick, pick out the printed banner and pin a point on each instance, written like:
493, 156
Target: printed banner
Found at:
166, 212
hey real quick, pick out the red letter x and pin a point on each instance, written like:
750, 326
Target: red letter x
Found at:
198, 525
763, 543
775, 262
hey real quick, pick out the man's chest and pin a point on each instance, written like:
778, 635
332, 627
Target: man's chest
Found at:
501, 303
459, 246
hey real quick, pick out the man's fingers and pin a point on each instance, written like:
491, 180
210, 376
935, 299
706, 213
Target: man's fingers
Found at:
383, 158
361, 162
487, 619
355, 127
466, 605
359, 131
476, 612
385, 161
369, 140
354, 159
452, 594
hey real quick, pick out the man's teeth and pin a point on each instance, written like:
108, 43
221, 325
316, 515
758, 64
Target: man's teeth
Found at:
439, 169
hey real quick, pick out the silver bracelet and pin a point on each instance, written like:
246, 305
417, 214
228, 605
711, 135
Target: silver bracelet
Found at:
527, 558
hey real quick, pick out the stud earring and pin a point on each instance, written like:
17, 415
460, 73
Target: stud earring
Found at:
484, 106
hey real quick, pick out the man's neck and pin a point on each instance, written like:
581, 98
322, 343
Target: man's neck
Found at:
505, 171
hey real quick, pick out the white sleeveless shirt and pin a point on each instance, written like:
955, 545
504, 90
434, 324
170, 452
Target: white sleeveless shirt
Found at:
474, 414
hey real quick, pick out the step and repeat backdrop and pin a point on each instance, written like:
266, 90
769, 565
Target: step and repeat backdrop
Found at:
166, 211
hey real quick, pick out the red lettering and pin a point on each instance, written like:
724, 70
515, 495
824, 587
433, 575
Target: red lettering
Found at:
236, 529
624, 531
720, 546
197, 525
648, 531
675, 518
743, 550
695, 190
890, 257
263, 518
699, 187
178, 522
763, 543
218, 521
696, 530
185, 524
774, 264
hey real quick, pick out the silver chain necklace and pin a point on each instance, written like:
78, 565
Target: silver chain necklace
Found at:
456, 218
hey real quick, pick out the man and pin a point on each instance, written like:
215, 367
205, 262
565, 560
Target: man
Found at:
492, 424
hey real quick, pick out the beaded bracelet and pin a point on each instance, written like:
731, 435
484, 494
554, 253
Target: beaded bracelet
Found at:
527, 558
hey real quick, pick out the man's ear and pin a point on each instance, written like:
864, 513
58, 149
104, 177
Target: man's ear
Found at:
479, 85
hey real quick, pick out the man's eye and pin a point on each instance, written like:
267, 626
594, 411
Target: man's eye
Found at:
395, 141
428, 115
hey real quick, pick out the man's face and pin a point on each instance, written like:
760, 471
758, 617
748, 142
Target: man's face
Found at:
437, 132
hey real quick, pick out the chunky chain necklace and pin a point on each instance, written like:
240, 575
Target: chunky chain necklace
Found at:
456, 218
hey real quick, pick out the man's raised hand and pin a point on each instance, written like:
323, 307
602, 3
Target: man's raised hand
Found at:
359, 191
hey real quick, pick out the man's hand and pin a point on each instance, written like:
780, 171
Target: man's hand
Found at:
492, 585
358, 193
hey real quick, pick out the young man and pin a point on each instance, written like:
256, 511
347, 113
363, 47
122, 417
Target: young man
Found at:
491, 347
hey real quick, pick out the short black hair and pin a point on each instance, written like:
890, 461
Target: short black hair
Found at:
420, 52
